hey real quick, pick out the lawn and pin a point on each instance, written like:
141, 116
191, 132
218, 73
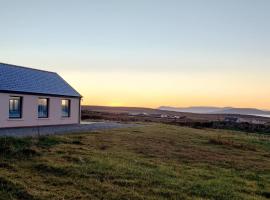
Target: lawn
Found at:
151, 161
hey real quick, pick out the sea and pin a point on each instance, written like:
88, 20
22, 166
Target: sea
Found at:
263, 115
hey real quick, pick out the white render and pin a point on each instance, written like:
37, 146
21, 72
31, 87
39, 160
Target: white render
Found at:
30, 111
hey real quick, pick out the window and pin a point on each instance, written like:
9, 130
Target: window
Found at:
65, 104
15, 107
43, 108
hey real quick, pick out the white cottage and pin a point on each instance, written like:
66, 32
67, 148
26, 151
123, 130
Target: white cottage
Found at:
31, 97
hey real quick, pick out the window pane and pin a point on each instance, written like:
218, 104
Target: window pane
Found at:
15, 110
43, 108
65, 104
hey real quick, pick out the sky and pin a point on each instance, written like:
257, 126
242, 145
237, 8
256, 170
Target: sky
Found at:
146, 53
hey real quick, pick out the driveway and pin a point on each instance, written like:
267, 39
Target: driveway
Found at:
61, 129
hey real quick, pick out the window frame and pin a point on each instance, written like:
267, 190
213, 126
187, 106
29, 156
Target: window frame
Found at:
69, 108
48, 108
20, 98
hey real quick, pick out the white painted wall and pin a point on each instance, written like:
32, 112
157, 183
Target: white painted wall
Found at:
30, 111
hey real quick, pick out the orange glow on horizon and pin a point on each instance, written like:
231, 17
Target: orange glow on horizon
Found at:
154, 90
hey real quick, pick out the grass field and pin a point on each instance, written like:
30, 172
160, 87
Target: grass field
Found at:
153, 161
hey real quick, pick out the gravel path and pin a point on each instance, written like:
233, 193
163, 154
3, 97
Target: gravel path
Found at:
60, 129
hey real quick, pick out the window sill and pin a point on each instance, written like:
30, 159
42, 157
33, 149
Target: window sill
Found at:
45, 118
15, 119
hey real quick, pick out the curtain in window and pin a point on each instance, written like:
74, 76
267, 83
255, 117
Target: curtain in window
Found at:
65, 107
43, 108
15, 107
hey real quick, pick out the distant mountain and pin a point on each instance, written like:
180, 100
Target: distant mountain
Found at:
218, 110
243, 111
198, 109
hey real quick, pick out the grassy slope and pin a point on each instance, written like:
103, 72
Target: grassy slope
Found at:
151, 162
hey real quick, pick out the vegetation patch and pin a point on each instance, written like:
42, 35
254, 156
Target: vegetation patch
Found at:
45, 168
214, 190
20, 148
11, 190
155, 161
266, 194
231, 143
6, 165
48, 141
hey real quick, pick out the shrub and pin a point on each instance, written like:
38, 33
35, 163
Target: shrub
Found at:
47, 141
16, 147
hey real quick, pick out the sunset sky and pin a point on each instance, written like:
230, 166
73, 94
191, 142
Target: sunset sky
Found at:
146, 53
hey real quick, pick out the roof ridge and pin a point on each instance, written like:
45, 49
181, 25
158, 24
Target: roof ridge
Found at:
30, 68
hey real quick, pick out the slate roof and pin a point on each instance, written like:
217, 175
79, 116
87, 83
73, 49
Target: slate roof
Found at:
33, 81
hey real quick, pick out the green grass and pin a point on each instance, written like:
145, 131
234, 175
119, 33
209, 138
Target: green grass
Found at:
153, 161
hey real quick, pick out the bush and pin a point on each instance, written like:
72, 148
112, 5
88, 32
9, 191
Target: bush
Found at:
47, 141
16, 147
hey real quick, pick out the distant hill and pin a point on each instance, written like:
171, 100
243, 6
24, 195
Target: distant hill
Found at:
218, 110
243, 111
200, 110
113, 112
